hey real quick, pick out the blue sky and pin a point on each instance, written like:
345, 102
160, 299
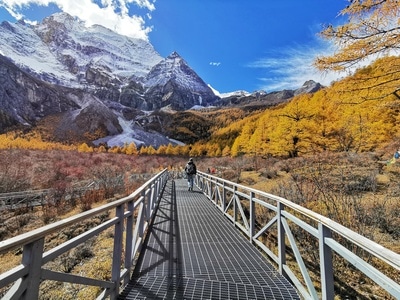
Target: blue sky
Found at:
231, 44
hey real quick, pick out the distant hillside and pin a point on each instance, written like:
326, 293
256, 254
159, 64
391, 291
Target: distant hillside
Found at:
343, 117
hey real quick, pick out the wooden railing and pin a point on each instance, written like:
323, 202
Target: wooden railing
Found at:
276, 226
32, 198
132, 217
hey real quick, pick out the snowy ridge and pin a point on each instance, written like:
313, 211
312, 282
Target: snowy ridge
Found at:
61, 49
20, 43
100, 81
174, 67
235, 93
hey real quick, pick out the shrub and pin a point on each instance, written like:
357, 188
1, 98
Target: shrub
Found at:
23, 220
49, 213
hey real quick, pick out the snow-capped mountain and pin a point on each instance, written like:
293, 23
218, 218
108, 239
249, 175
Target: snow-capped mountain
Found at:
178, 84
62, 50
264, 99
239, 93
94, 79
92, 82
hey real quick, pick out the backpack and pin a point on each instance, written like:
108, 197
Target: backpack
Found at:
397, 155
190, 169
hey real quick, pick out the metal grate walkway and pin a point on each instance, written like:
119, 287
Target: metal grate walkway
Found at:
193, 252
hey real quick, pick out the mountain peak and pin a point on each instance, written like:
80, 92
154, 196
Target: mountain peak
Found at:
180, 86
174, 55
62, 50
309, 86
65, 20
60, 17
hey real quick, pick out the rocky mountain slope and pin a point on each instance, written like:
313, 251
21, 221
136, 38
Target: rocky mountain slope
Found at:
94, 79
63, 51
91, 84
259, 99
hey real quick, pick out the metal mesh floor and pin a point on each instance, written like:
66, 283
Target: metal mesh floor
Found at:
193, 252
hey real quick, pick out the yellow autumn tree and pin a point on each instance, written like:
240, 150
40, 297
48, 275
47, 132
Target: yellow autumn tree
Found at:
196, 150
147, 150
162, 150
372, 29
290, 136
365, 126
321, 126
260, 141
182, 150
102, 149
357, 123
33, 140
131, 149
171, 150
241, 144
115, 149
214, 150
84, 148
151, 150
226, 151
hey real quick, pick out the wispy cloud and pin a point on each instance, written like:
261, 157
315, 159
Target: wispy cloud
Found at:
216, 64
291, 67
114, 15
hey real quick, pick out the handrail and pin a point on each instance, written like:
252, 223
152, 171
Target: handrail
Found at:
132, 217
233, 199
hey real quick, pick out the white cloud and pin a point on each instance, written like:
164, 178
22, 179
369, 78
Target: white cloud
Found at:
290, 68
214, 63
112, 14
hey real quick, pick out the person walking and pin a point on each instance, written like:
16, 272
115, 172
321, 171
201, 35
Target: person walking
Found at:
190, 170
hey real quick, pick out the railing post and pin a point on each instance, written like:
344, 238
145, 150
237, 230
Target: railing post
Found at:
234, 205
153, 196
213, 191
223, 204
32, 257
117, 252
142, 215
148, 202
326, 265
252, 217
281, 240
211, 188
129, 242
209, 191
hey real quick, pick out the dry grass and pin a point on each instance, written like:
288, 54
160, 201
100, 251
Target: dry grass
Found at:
356, 190
365, 179
62, 170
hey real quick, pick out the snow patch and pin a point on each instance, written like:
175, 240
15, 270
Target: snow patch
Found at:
133, 133
96, 46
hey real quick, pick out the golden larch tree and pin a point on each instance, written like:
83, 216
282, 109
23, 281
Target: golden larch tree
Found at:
372, 30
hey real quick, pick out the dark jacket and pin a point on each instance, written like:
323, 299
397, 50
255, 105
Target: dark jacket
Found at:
190, 168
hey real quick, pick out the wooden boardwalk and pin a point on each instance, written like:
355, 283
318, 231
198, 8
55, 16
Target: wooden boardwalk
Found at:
194, 252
